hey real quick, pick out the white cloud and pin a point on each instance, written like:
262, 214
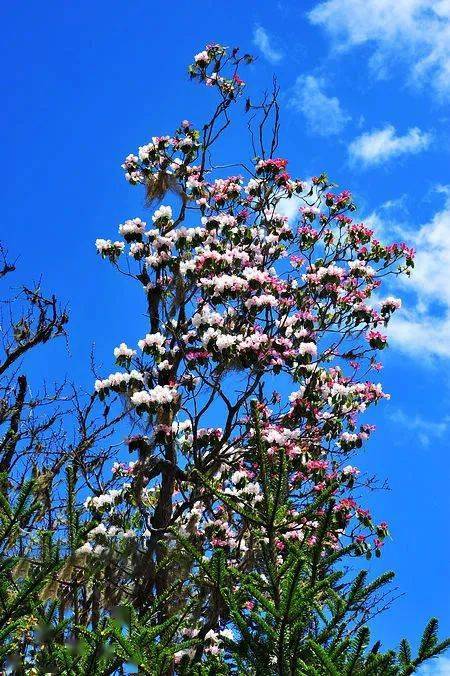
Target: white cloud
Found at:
381, 145
436, 667
414, 31
262, 41
323, 113
421, 334
290, 206
422, 327
425, 430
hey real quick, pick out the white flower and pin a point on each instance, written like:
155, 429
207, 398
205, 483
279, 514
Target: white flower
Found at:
361, 268
130, 162
224, 341
182, 426
207, 316
106, 246
104, 500
141, 398
252, 489
164, 212
264, 300
392, 303
133, 226
151, 340
84, 549
297, 395
161, 394
347, 437
144, 151
186, 142
255, 275
98, 530
124, 351
308, 348
202, 58
102, 244
349, 469
137, 249
100, 385
253, 185
187, 266
118, 380
237, 476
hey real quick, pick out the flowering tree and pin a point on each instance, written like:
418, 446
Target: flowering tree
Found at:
240, 501
224, 537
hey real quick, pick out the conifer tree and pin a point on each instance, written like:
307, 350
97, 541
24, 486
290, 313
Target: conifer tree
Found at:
51, 444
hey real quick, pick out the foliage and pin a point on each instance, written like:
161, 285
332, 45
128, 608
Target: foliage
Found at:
225, 549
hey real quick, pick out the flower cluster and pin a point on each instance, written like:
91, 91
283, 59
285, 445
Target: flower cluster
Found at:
149, 400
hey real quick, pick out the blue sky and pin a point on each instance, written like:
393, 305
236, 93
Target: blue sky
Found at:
365, 97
